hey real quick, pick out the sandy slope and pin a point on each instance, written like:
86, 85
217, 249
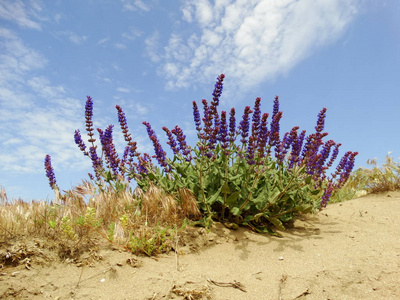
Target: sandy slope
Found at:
350, 250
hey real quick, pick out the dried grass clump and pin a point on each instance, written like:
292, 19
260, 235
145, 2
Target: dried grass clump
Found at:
142, 222
377, 179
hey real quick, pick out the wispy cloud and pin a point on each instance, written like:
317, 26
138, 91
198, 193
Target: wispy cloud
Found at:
28, 129
20, 12
251, 41
152, 46
120, 46
134, 5
132, 33
123, 90
73, 37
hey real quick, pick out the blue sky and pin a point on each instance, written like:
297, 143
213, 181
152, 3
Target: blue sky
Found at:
155, 57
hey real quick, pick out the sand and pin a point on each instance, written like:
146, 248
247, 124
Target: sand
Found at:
350, 250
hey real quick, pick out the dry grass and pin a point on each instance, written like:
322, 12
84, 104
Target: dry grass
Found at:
142, 222
376, 179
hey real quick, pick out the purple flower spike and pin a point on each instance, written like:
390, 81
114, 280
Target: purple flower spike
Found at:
127, 136
245, 124
223, 132
79, 142
50, 172
110, 153
274, 132
276, 107
196, 116
88, 117
263, 135
183, 147
171, 141
215, 102
160, 153
97, 164
327, 195
250, 150
321, 121
334, 155
347, 168
217, 90
207, 120
232, 126
255, 127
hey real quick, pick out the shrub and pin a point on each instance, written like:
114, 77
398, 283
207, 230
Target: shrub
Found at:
246, 174
379, 179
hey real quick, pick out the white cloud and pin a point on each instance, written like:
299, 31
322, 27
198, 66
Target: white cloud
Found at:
134, 5
152, 45
20, 12
251, 41
102, 41
132, 34
41, 86
120, 46
123, 90
140, 109
15, 58
36, 116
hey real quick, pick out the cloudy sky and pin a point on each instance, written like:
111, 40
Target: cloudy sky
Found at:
155, 57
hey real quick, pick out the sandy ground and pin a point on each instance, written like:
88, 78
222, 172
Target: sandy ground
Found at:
350, 250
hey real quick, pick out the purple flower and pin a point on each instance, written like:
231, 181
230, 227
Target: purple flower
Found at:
50, 172
321, 121
183, 147
171, 141
347, 167
223, 132
250, 150
334, 155
97, 163
276, 107
215, 102
232, 126
274, 132
255, 127
88, 117
110, 153
160, 153
296, 146
244, 125
217, 90
207, 120
283, 147
263, 135
327, 194
320, 160
196, 116
144, 164
79, 142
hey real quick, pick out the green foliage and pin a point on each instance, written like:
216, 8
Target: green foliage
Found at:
230, 190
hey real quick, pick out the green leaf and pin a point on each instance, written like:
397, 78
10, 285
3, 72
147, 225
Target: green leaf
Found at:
235, 211
108, 176
277, 223
225, 189
305, 209
308, 180
274, 195
152, 177
214, 197
315, 192
231, 200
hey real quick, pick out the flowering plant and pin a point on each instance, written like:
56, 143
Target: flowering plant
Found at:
247, 175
